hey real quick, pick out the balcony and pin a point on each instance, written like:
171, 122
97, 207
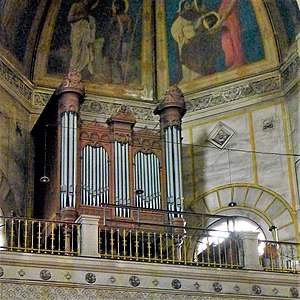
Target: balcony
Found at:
98, 254
139, 240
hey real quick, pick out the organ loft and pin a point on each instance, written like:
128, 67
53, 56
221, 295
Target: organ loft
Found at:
123, 175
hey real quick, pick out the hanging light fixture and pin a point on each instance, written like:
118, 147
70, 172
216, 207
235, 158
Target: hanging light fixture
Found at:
45, 178
231, 203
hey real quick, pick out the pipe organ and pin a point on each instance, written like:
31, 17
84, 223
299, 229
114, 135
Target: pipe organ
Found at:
113, 170
94, 176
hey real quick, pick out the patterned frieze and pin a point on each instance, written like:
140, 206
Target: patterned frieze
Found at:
37, 97
15, 81
234, 93
71, 278
291, 71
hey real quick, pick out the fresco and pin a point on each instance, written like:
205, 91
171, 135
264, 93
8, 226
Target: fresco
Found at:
290, 15
16, 18
101, 39
209, 36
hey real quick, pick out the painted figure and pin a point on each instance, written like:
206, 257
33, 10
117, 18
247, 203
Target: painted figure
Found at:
83, 28
116, 40
197, 43
182, 31
231, 33
204, 36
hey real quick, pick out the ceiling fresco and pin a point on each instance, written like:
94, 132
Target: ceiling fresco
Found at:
137, 48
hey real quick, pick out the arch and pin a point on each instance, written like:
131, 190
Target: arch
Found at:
258, 203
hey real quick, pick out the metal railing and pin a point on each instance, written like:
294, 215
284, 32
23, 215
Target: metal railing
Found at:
39, 236
171, 245
280, 256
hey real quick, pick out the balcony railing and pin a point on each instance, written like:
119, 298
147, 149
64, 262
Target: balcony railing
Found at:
281, 257
155, 242
39, 236
171, 245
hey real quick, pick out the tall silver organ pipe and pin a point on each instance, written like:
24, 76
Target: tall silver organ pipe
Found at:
94, 176
121, 161
147, 181
68, 159
174, 168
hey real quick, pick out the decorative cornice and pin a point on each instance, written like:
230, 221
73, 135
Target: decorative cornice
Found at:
15, 81
291, 71
234, 93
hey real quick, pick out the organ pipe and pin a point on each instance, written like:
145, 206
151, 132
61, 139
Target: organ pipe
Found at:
94, 182
68, 160
146, 174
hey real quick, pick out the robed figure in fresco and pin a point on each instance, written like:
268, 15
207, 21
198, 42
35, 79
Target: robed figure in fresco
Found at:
83, 28
116, 42
201, 35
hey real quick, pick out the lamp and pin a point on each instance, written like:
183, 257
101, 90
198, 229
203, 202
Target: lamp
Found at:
231, 203
44, 178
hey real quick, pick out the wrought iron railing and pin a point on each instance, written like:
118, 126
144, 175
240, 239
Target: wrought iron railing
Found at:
171, 245
39, 236
280, 256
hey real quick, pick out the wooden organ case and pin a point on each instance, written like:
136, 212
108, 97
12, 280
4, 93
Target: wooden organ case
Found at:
112, 170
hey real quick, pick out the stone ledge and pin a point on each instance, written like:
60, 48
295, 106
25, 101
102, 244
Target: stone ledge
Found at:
61, 275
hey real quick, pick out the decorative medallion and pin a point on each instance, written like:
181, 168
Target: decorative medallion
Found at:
21, 272
90, 278
268, 124
237, 288
294, 292
134, 281
45, 274
112, 279
155, 282
1, 271
176, 284
220, 135
217, 286
256, 289
197, 285
275, 291
68, 276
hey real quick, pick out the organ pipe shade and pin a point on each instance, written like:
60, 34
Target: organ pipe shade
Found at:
147, 179
68, 160
121, 160
94, 176
174, 168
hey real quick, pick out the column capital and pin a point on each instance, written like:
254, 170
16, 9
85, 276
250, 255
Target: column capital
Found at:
172, 108
72, 83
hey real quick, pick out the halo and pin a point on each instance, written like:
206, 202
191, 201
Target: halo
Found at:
205, 24
126, 6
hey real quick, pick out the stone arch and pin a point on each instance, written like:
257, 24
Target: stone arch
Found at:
7, 199
258, 203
